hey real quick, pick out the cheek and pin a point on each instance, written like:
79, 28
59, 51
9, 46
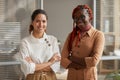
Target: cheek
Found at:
45, 25
34, 24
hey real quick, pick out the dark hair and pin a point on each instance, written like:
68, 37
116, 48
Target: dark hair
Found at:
34, 14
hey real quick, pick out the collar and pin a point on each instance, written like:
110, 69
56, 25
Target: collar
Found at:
89, 32
40, 39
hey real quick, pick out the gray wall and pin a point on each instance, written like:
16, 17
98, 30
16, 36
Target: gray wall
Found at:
60, 16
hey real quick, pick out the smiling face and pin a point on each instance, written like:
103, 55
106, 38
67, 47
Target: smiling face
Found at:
81, 18
39, 23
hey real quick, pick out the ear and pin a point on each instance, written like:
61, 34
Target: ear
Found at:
74, 24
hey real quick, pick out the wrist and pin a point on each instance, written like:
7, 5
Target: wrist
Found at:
51, 62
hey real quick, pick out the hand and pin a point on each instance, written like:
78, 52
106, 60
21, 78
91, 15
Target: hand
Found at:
75, 66
80, 61
28, 59
55, 58
47, 69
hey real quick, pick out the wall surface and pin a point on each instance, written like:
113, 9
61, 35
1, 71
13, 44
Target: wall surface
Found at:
60, 16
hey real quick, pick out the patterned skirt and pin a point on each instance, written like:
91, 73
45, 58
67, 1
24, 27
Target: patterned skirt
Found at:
40, 75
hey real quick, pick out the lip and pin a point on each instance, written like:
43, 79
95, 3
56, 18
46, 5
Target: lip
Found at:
39, 27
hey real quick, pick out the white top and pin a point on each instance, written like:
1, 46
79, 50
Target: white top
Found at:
40, 50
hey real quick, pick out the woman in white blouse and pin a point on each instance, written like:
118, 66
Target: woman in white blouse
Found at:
39, 52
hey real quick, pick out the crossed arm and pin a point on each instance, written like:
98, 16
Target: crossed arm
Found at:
46, 65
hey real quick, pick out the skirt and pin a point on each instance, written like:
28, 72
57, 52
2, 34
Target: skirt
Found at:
40, 75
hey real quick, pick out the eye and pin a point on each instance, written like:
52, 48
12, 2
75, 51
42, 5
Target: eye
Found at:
82, 17
37, 21
44, 21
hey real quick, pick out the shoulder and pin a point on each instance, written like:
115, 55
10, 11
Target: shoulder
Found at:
99, 33
51, 37
96, 32
25, 40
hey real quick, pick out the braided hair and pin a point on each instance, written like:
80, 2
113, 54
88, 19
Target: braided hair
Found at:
73, 34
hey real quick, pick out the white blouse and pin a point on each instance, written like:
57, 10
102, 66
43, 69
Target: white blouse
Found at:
40, 50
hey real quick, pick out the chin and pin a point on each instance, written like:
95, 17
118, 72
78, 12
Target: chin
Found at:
40, 31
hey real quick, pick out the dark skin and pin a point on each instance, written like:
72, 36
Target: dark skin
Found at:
82, 20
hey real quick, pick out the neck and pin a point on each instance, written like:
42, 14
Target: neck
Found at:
37, 35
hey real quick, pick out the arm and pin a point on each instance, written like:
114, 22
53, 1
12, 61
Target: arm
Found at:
64, 55
75, 66
28, 66
43, 66
94, 57
79, 61
97, 51
46, 65
24, 51
55, 49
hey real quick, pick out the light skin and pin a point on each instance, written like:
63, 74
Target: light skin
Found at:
40, 25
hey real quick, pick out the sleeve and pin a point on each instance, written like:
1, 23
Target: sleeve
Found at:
64, 55
56, 66
26, 67
97, 51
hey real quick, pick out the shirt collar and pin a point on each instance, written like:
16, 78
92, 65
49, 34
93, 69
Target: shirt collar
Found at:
40, 39
89, 32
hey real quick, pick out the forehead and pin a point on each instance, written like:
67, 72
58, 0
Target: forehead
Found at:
41, 16
81, 12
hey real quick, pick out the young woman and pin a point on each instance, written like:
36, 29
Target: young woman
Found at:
39, 52
83, 47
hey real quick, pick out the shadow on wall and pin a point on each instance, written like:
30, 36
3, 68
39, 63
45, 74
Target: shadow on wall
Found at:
23, 17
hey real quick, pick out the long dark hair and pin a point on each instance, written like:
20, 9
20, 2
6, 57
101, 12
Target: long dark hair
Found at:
34, 14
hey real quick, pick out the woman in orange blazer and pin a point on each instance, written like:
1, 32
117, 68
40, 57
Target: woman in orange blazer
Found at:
83, 47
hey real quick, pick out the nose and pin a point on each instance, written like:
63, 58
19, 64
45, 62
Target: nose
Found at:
40, 23
80, 18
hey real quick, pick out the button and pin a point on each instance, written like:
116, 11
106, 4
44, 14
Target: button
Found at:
45, 39
49, 44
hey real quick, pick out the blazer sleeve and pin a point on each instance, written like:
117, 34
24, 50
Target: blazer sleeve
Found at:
65, 53
97, 51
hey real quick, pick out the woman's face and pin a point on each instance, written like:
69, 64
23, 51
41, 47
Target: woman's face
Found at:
40, 23
82, 18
